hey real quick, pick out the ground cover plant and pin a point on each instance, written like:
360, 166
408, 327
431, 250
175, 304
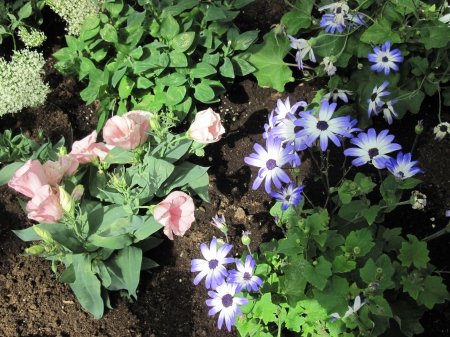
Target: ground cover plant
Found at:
245, 223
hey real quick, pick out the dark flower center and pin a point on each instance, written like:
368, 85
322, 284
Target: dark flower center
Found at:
339, 10
373, 97
287, 197
373, 152
335, 91
443, 128
271, 164
247, 276
385, 106
213, 264
384, 59
297, 129
400, 174
227, 300
322, 125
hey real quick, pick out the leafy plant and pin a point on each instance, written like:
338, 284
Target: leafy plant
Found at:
340, 43
165, 55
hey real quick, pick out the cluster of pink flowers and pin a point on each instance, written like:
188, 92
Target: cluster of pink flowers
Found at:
49, 200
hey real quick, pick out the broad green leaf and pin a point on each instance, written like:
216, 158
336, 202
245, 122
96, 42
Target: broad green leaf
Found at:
183, 41
407, 315
25, 11
114, 8
119, 155
201, 70
169, 28
405, 7
87, 286
365, 183
136, 18
318, 275
298, 17
379, 32
122, 226
226, 69
342, 265
370, 213
68, 275
333, 296
434, 37
294, 282
291, 245
361, 239
181, 175
143, 83
419, 65
7, 172
158, 170
125, 87
435, 292
90, 27
203, 92
265, 309
380, 271
352, 211
103, 274
411, 286
214, 13
244, 40
177, 59
241, 66
149, 227
175, 95
113, 242
201, 186
267, 58
115, 274
414, 252
117, 76
148, 263
409, 183
295, 318
129, 260
173, 80
109, 33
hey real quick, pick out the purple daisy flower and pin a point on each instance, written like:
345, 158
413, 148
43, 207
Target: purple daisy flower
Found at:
372, 148
223, 301
375, 100
212, 267
270, 161
289, 196
385, 58
243, 276
402, 168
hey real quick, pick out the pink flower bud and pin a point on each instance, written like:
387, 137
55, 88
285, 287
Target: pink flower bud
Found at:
206, 127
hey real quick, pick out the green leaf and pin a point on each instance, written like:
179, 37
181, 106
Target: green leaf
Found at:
173, 80
169, 28
149, 227
370, 213
411, 286
267, 57
226, 69
435, 292
25, 11
379, 32
365, 183
183, 41
295, 318
113, 242
342, 265
298, 17
409, 183
201, 70
175, 95
125, 87
109, 34
381, 272
265, 309
319, 274
291, 244
214, 13
129, 260
244, 40
87, 286
68, 275
7, 172
90, 28
203, 92
414, 252
177, 59
136, 18
433, 36
294, 282
201, 186
143, 83
361, 239
333, 296
181, 175
117, 76
419, 65
119, 155
242, 67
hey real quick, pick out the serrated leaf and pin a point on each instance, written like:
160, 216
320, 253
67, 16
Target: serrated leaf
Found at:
298, 17
370, 213
435, 292
333, 296
265, 309
434, 36
342, 265
267, 57
412, 287
379, 32
295, 318
318, 275
414, 252
361, 239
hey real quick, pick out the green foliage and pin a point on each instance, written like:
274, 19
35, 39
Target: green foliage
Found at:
170, 56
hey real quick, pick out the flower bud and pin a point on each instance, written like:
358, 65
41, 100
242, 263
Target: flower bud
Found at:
154, 123
77, 192
379, 270
419, 127
62, 151
35, 250
245, 238
360, 66
356, 250
66, 201
315, 263
43, 234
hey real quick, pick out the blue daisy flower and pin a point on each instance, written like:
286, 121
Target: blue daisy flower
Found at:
402, 167
384, 59
289, 196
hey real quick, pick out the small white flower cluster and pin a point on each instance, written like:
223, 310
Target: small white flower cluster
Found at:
32, 39
21, 85
74, 12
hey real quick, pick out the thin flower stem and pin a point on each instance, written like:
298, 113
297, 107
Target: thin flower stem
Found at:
414, 143
249, 251
437, 234
320, 170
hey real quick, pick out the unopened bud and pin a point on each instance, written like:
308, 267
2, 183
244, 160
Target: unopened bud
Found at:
154, 123
66, 201
360, 66
356, 250
419, 127
77, 192
245, 238
379, 270
35, 250
62, 151
43, 234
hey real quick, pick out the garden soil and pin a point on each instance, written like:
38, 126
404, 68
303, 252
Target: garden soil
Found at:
34, 303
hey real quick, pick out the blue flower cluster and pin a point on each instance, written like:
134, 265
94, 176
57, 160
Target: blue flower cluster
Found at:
339, 18
224, 284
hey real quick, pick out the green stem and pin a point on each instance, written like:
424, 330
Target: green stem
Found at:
173, 141
437, 234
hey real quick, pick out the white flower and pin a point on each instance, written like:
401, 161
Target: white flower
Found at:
388, 110
337, 93
303, 47
441, 130
329, 68
356, 306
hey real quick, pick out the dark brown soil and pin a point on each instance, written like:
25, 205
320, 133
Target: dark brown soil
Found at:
34, 303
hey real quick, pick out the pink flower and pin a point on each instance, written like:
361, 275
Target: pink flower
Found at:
82, 149
206, 127
29, 178
53, 172
44, 206
127, 131
175, 213
68, 164
87, 150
